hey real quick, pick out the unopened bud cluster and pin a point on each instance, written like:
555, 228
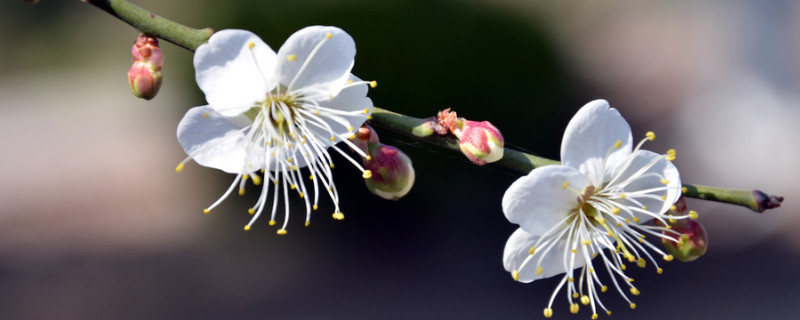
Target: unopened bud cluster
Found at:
480, 141
392, 171
144, 76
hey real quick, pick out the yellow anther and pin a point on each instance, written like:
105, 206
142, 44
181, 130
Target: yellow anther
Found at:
618, 144
251, 44
693, 214
308, 223
369, 117
623, 267
366, 110
328, 35
205, 115
539, 271
318, 112
289, 160
565, 185
367, 174
609, 313
333, 138
257, 180
291, 57
515, 275
594, 255
251, 211
684, 190
631, 258
663, 197
293, 186
574, 250
585, 300
672, 220
634, 291
594, 316
281, 232
272, 222
315, 207
615, 211
179, 168
575, 295
644, 207
635, 219
295, 168
670, 155
586, 242
247, 228
350, 81
664, 181
206, 210
627, 220
669, 227
574, 308
604, 289
351, 137
275, 182
633, 306
301, 195
673, 208
659, 271
571, 279
311, 177
650, 135
668, 257
532, 250
630, 279
369, 157
622, 196
548, 312
373, 84
338, 215
641, 263
619, 224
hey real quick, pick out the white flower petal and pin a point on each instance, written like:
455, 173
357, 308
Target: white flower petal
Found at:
590, 135
329, 67
539, 201
518, 249
232, 75
650, 179
216, 141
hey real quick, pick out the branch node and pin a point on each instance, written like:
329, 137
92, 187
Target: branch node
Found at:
766, 201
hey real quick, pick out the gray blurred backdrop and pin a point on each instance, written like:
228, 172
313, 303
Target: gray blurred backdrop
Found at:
95, 223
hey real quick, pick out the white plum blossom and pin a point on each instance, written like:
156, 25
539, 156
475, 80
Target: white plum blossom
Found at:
271, 114
598, 198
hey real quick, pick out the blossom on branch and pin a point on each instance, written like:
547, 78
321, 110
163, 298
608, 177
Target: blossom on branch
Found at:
271, 114
598, 198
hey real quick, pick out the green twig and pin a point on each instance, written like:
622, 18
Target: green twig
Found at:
523, 162
154, 25
190, 39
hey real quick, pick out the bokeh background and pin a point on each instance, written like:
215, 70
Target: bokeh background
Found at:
95, 223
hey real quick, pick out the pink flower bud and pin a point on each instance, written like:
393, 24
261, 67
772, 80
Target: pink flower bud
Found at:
392, 172
144, 76
692, 243
363, 136
481, 142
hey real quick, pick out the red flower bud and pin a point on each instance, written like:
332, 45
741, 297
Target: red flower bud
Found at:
144, 76
481, 142
392, 172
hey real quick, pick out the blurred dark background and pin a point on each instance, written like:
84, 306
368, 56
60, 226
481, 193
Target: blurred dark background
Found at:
95, 224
